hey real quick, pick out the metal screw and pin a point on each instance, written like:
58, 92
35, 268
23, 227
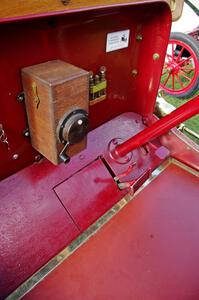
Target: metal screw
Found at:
139, 37
79, 122
21, 97
37, 158
15, 156
81, 157
26, 133
134, 72
65, 2
156, 56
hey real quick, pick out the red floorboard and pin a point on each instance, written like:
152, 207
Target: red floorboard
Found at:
149, 250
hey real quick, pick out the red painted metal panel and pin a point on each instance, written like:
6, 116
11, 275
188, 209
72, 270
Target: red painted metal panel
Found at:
33, 228
34, 225
33, 220
62, 37
89, 194
149, 250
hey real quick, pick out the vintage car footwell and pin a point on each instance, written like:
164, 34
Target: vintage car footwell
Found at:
149, 249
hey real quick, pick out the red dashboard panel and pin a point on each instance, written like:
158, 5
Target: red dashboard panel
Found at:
80, 39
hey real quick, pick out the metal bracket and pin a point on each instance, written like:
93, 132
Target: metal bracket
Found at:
63, 156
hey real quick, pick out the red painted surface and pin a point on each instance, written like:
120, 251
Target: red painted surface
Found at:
34, 226
33, 218
149, 250
158, 128
182, 148
80, 39
88, 194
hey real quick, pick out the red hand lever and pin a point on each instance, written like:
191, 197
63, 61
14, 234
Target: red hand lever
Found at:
158, 128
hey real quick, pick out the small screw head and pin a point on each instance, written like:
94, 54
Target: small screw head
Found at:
134, 72
103, 69
26, 133
139, 37
21, 97
156, 56
81, 157
80, 122
37, 158
65, 2
15, 156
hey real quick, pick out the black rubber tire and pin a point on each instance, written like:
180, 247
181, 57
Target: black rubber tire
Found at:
194, 45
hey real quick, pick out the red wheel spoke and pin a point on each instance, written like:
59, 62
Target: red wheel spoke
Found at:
172, 45
187, 69
166, 80
170, 58
184, 60
182, 74
180, 67
173, 82
179, 80
165, 72
180, 53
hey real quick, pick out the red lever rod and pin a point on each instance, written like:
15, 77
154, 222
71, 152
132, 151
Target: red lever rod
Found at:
158, 128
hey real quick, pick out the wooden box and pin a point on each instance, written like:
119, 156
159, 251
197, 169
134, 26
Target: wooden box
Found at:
53, 89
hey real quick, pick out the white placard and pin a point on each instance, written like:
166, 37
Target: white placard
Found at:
117, 40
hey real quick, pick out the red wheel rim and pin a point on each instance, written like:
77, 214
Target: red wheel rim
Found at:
179, 72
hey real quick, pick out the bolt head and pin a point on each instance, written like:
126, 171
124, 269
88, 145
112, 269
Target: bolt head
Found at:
134, 72
20, 97
156, 56
15, 156
139, 38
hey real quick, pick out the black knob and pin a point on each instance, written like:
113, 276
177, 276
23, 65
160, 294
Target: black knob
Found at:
74, 127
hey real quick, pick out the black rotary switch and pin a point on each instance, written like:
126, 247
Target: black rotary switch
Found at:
73, 127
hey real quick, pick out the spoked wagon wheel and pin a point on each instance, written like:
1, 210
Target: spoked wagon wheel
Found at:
180, 76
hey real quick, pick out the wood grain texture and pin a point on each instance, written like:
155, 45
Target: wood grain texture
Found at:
60, 88
22, 8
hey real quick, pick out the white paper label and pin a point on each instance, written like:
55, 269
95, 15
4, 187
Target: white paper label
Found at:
117, 40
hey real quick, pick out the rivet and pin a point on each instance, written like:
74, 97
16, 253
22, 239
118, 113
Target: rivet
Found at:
15, 156
81, 157
79, 122
26, 133
139, 37
21, 97
134, 72
37, 158
65, 2
156, 56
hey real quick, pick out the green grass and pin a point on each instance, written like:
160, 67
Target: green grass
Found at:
192, 123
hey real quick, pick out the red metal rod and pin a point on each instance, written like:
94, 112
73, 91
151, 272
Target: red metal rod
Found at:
158, 128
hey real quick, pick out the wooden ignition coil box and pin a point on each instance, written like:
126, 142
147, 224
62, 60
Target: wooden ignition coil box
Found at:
53, 89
